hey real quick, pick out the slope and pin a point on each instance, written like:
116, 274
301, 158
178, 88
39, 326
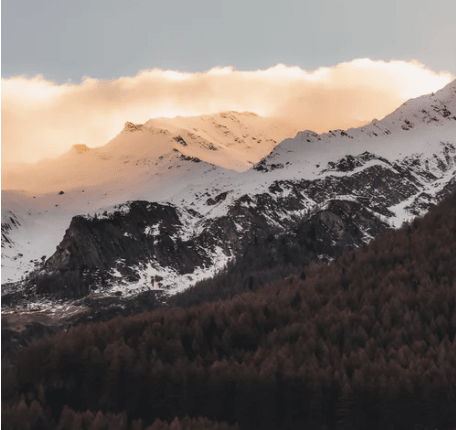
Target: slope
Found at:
366, 342
230, 140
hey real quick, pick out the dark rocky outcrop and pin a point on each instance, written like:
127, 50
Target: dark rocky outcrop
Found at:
149, 232
92, 247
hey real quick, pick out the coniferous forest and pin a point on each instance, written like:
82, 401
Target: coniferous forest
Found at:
365, 342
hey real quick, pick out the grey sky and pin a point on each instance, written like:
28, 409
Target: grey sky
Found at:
63, 39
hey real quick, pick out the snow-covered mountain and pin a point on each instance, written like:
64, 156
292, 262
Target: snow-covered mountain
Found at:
332, 191
143, 154
150, 162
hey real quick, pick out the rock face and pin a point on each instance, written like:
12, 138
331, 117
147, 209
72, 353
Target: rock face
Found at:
95, 253
9, 222
93, 247
129, 126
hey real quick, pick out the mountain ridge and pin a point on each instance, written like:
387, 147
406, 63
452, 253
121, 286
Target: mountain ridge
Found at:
300, 176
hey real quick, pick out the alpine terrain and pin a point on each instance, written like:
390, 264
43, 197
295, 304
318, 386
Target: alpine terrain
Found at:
170, 202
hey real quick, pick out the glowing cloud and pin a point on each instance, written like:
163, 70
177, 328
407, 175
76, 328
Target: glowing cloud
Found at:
41, 119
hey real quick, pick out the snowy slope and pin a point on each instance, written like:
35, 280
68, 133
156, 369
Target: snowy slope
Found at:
235, 140
416, 127
43, 218
144, 162
142, 152
420, 137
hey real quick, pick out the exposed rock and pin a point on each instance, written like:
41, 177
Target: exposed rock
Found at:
188, 158
180, 140
91, 248
213, 201
129, 126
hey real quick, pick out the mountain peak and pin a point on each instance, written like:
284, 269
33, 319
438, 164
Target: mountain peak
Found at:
81, 147
408, 130
236, 113
129, 126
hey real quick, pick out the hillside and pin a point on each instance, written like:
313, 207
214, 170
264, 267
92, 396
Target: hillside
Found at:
365, 342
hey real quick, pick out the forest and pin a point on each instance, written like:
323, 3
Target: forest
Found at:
366, 341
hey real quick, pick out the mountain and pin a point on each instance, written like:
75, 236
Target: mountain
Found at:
151, 162
325, 193
140, 152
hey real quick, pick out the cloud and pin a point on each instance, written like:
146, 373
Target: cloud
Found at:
41, 119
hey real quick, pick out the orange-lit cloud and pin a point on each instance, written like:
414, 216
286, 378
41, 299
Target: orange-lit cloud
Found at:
41, 119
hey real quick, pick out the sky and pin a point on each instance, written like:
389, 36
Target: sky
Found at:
75, 72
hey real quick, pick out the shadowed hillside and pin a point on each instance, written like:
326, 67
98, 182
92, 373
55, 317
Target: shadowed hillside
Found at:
366, 342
